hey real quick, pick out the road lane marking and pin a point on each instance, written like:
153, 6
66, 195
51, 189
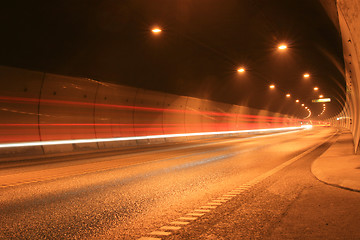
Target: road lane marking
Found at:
214, 203
179, 223
172, 228
229, 195
224, 198
208, 206
220, 200
196, 214
202, 210
187, 218
160, 233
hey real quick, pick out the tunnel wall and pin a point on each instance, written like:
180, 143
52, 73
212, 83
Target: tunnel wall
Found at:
349, 22
38, 107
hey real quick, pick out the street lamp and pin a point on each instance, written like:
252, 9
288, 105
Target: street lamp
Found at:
282, 47
297, 100
306, 75
272, 86
241, 70
288, 95
156, 30
321, 96
316, 88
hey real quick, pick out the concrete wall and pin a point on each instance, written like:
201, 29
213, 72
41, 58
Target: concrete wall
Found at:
349, 22
38, 107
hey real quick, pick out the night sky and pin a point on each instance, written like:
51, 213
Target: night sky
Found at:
202, 44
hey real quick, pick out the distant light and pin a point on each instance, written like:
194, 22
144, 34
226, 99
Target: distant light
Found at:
297, 100
321, 96
282, 47
241, 70
303, 105
272, 86
306, 75
156, 30
288, 95
316, 88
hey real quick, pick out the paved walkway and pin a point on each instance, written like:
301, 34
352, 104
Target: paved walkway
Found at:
339, 166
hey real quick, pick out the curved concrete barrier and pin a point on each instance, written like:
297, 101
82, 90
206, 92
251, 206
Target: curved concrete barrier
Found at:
45, 113
66, 111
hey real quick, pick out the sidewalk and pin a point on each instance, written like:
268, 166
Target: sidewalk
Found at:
339, 166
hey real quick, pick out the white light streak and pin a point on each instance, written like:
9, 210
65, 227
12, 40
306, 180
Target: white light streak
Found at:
95, 140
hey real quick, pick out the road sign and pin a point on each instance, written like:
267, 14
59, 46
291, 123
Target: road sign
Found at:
321, 100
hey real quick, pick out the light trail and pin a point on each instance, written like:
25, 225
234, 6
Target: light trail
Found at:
96, 140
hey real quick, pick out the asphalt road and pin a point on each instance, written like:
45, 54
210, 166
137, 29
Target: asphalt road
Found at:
255, 187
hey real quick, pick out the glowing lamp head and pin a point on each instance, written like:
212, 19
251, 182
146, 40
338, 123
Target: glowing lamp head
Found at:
303, 105
241, 70
156, 30
272, 86
288, 95
282, 47
306, 75
297, 100
321, 96
316, 88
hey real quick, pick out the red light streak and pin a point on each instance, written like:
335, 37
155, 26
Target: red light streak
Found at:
219, 121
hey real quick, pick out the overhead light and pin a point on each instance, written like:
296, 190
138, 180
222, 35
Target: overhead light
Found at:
282, 47
156, 30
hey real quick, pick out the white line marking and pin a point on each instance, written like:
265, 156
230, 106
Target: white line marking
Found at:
202, 210
160, 233
285, 164
179, 223
220, 200
208, 206
214, 203
224, 198
188, 218
229, 195
196, 214
172, 228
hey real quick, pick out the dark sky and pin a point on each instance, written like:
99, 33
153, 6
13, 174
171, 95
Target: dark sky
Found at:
202, 44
